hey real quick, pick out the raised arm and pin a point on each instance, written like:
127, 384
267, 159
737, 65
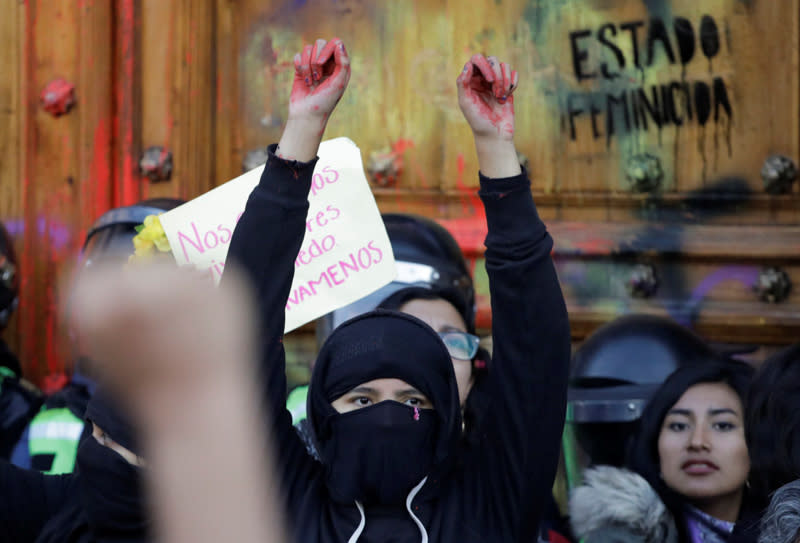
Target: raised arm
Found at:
268, 236
516, 459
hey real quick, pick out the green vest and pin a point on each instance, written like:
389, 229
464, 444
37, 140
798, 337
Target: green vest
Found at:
296, 403
56, 432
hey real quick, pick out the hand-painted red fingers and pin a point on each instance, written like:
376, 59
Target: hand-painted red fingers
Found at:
465, 75
298, 66
341, 72
317, 59
484, 68
498, 89
342, 60
305, 64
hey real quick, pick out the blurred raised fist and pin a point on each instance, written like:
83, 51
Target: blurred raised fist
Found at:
157, 331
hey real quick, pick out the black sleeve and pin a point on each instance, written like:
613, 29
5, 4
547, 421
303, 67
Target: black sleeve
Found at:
264, 245
512, 468
29, 499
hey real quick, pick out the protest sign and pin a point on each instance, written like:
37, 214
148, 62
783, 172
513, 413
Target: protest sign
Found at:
345, 254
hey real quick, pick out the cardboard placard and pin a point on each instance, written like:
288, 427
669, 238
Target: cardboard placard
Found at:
345, 255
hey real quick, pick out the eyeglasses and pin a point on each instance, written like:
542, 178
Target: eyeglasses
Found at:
460, 345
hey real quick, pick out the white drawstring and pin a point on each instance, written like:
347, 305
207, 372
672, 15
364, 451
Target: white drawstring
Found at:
418, 522
409, 499
357, 533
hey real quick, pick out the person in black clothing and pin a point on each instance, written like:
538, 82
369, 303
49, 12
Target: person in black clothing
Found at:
102, 501
383, 399
433, 283
186, 376
773, 424
19, 399
50, 441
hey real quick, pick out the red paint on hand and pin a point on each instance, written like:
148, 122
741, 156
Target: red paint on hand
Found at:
322, 72
485, 89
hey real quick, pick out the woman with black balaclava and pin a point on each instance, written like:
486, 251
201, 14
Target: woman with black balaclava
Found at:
100, 502
383, 400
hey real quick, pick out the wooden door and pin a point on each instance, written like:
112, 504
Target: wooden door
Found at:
645, 127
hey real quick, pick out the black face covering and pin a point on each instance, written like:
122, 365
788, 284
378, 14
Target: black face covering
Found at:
111, 491
379, 453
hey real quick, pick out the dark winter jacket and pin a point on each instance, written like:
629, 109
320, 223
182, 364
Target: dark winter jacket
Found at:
494, 491
620, 506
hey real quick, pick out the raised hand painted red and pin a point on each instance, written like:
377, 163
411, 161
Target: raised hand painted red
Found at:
322, 72
485, 89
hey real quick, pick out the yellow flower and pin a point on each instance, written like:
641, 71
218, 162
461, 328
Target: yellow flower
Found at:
162, 244
142, 244
151, 237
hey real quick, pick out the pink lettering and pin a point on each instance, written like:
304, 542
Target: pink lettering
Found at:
304, 292
198, 246
216, 268
315, 249
313, 284
227, 234
332, 273
214, 238
295, 300
363, 252
379, 258
300, 259
321, 220
317, 183
352, 265
334, 173
328, 243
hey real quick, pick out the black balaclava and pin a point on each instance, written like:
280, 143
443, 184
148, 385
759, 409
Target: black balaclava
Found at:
378, 454
110, 487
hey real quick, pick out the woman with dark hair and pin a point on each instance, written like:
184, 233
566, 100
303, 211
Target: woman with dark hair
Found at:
383, 400
440, 310
773, 424
688, 465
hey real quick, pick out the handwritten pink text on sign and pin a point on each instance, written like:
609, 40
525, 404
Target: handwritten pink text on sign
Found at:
344, 234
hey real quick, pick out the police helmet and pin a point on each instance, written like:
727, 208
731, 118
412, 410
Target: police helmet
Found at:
426, 255
110, 237
614, 373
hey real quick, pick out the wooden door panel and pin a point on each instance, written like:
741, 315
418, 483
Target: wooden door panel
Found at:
208, 82
65, 178
11, 209
742, 58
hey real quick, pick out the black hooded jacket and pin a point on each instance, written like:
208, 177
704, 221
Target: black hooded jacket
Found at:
102, 502
492, 490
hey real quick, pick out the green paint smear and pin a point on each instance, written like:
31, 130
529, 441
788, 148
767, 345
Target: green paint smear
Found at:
660, 9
